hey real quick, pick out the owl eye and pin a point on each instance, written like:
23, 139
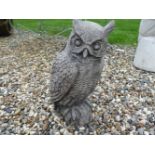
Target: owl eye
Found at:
96, 46
78, 42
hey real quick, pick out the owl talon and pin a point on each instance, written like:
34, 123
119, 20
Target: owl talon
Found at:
78, 115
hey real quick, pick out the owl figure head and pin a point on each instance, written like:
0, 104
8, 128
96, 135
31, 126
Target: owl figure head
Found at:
88, 39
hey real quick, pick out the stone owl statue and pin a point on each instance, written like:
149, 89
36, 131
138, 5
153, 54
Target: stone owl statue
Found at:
76, 70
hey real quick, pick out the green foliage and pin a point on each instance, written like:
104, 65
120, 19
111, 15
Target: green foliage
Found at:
126, 30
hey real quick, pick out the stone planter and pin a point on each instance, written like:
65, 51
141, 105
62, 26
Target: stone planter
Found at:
145, 53
6, 27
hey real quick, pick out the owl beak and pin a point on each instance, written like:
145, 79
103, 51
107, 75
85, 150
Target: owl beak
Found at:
85, 53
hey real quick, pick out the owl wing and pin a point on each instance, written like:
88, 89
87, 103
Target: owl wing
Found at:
63, 77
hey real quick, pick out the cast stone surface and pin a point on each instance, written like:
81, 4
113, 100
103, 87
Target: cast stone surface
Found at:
76, 70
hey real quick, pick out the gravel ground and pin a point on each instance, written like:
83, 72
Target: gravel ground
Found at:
123, 102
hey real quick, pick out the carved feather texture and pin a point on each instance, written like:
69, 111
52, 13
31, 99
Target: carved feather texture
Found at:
63, 76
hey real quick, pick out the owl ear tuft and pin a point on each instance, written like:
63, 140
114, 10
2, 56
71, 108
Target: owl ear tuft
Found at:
76, 23
108, 28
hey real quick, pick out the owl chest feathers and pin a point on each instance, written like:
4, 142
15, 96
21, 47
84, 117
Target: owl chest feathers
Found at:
88, 75
73, 81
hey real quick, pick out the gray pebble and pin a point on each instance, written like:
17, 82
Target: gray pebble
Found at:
8, 110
